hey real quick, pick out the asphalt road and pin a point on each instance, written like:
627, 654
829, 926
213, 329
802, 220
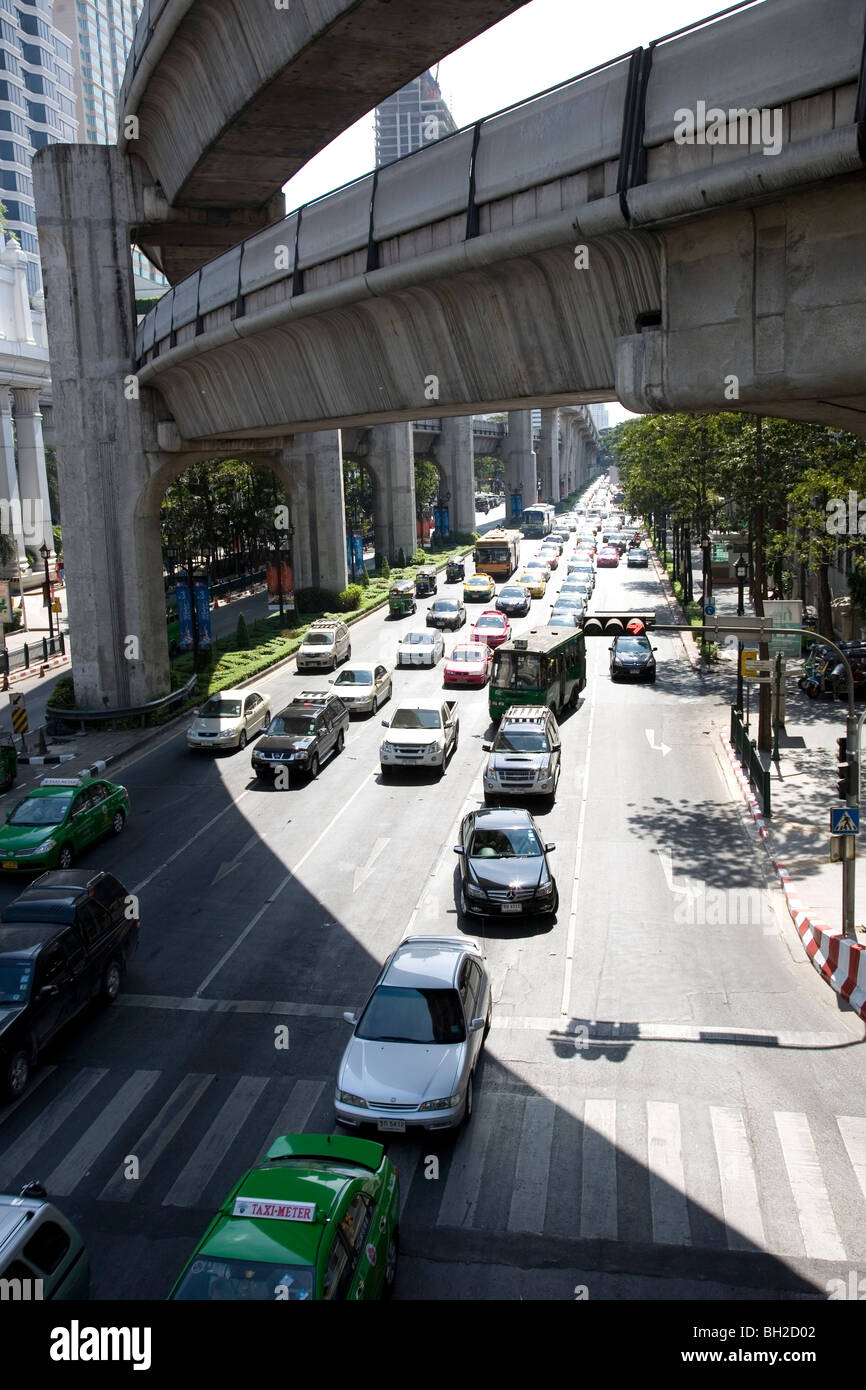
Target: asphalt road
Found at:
665, 1105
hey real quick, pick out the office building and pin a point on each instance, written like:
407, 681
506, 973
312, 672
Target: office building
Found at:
411, 118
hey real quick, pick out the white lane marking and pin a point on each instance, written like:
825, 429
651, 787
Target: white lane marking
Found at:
744, 1226
68, 1173
157, 1137
814, 1212
28, 1144
853, 1131
656, 747
598, 1217
283, 884
666, 1174
191, 1181
192, 839
224, 869
361, 875
295, 1114
531, 1180
463, 1185
575, 890
42, 1075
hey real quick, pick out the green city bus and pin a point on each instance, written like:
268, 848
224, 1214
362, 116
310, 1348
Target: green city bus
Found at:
546, 666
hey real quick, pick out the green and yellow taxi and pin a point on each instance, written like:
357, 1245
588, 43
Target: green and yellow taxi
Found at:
533, 580
53, 823
317, 1219
478, 588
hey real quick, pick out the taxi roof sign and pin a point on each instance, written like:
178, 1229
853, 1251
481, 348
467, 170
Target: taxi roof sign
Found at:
60, 782
274, 1211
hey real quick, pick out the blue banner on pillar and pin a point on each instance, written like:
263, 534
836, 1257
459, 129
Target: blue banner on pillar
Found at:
517, 504
442, 521
201, 585
184, 611
355, 553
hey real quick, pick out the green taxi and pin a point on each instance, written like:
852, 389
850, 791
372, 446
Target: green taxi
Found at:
318, 1218
58, 819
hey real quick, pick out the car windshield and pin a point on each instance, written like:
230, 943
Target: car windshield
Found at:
475, 653
404, 1015
41, 810
416, 719
319, 639
354, 678
632, 644
245, 1280
217, 708
445, 605
521, 741
570, 600
490, 620
15, 980
418, 639
513, 842
517, 594
295, 725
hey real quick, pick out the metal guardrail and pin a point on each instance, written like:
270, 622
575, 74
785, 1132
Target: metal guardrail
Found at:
750, 761
107, 716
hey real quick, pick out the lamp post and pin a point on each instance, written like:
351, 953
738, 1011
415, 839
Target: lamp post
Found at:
45, 553
741, 571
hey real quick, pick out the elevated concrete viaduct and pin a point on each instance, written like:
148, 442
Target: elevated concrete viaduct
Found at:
586, 245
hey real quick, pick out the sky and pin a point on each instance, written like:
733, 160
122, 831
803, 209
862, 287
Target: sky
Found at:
545, 42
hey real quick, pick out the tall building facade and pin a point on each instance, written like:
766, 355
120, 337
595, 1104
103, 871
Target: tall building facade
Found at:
37, 107
100, 36
411, 118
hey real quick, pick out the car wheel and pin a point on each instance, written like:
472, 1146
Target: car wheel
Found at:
314, 767
17, 1074
65, 857
349, 652
391, 1261
110, 987
341, 741
242, 740
118, 822
467, 1105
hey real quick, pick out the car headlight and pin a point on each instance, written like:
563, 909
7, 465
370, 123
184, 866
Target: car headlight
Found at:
490, 776
544, 778
545, 889
387, 748
473, 891
445, 1103
37, 849
346, 1098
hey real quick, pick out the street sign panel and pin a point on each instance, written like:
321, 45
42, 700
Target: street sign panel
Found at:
751, 669
784, 613
844, 820
19, 713
709, 609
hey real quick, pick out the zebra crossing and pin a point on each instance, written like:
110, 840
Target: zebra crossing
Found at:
575, 1165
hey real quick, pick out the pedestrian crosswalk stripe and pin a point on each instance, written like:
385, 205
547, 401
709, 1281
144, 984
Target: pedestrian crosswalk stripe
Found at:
814, 1212
156, 1138
69, 1172
24, 1149
853, 1131
188, 1187
463, 1184
740, 1204
295, 1114
598, 1214
529, 1195
667, 1178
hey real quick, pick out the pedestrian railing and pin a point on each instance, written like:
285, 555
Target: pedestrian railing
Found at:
750, 761
40, 649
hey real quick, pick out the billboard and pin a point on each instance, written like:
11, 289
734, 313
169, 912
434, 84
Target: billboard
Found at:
283, 579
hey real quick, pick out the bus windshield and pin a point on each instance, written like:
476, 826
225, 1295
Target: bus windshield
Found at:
517, 670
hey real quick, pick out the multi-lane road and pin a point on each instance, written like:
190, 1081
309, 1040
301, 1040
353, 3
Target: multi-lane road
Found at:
669, 1105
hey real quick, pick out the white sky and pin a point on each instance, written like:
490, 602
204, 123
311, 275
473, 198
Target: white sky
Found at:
545, 42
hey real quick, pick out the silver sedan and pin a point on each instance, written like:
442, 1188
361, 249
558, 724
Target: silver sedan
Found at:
229, 719
411, 1060
363, 686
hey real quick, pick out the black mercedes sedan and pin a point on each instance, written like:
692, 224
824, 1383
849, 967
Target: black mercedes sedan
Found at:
632, 658
504, 867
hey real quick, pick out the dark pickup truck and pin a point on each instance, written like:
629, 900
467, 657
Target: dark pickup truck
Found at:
65, 941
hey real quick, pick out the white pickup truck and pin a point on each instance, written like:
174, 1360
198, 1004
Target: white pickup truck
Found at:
420, 736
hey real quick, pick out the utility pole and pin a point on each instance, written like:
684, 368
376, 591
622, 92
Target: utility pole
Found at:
765, 699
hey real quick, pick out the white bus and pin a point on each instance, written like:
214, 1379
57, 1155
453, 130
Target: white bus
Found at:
538, 520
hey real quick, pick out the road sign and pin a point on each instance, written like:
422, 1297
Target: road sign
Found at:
845, 820
784, 613
55, 605
751, 669
709, 609
19, 713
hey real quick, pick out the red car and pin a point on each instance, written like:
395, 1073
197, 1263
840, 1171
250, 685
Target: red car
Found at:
469, 664
491, 627
550, 558
608, 558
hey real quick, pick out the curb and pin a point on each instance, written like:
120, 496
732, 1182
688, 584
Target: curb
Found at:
35, 668
840, 963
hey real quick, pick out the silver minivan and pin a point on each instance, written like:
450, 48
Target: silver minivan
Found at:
42, 1256
525, 755
325, 645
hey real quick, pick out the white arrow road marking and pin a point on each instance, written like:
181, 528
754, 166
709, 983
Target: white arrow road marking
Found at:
667, 863
651, 734
361, 875
227, 868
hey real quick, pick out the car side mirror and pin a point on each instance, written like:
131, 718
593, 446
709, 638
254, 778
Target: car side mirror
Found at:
384, 723
655, 649
49, 992
350, 1017
459, 849
476, 1024
487, 747
196, 711
549, 846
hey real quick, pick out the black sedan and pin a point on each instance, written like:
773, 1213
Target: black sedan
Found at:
632, 658
504, 868
446, 612
515, 600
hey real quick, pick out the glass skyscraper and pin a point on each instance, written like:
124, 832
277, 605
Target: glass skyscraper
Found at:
411, 118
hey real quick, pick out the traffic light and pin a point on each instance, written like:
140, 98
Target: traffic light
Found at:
847, 780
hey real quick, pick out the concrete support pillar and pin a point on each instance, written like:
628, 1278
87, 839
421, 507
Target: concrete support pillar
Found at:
32, 477
315, 466
10, 495
391, 461
456, 458
112, 474
520, 460
548, 461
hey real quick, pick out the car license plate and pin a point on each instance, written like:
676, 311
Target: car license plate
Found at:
10, 863
512, 907
392, 1126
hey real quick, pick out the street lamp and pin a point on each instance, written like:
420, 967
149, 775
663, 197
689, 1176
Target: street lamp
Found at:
45, 553
741, 571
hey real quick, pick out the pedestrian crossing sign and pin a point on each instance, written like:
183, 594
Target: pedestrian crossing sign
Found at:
845, 820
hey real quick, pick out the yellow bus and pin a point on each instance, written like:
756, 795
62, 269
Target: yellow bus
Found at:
497, 554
